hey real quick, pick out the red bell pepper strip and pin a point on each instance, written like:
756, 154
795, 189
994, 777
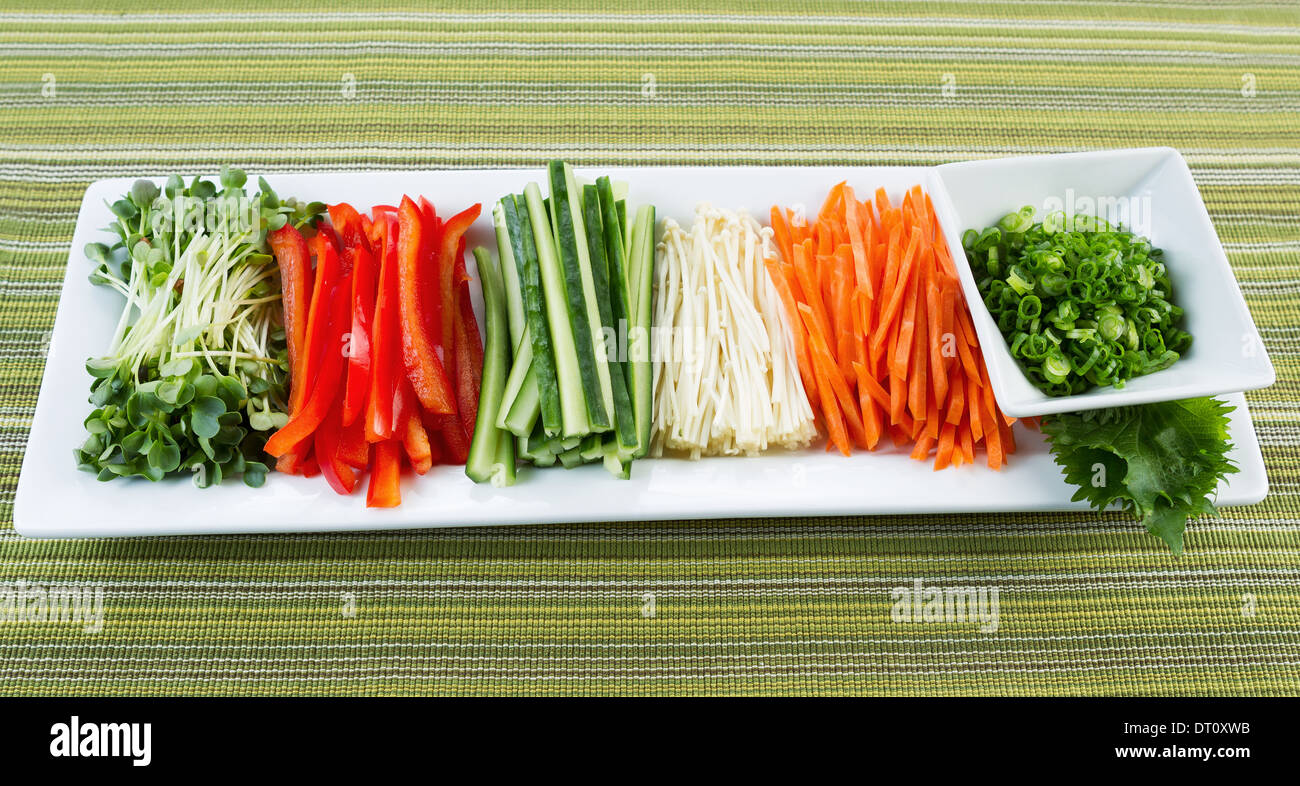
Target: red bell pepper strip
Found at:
294, 462
449, 434
449, 250
432, 241
385, 489
435, 447
310, 467
469, 347
364, 284
337, 473
353, 448
423, 367
328, 275
418, 450
347, 223
411, 428
383, 345
294, 260
303, 424
469, 363
292, 256
303, 372
368, 228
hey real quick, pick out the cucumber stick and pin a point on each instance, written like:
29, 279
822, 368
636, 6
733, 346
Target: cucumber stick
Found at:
521, 372
572, 401
584, 302
492, 451
510, 274
605, 247
617, 464
520, 396
522, 417
641, 283
519, 229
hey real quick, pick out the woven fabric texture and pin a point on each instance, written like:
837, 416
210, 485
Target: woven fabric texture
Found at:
1088, 604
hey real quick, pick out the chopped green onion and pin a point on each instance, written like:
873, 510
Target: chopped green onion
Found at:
1080, 302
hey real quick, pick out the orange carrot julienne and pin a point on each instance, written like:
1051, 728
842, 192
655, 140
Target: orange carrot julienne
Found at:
922, 450
833, 199
882, 200
884, 344
938, 367
829, 374
974, 401
781, 230
900, 285
918, 381
868, 401
947, 437
810, 285
831, 415
956, 399
963, 351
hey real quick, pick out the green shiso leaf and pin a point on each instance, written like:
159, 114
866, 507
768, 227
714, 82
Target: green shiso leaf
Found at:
1161, 461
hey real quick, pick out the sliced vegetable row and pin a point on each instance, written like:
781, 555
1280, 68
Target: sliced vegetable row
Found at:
885, 342
568, 375
383, 346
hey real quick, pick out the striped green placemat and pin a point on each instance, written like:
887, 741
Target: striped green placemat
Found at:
1086, 604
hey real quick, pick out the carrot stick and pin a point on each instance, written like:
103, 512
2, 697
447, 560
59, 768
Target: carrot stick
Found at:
921, 213
833, 200
992, 441
967, 328
830, 410
861, 308
798, 228
897, 291
957, 399
842, 289
932, 419
781, 230
918, 382
866, 400
873, 389
897, 398
893, 250
810, 286
882, 201
825, 239
907, 326
858, 243
1008, 439
828, 373
963, 350
973, 407
938, 366
990, 403
948, 319
947, 438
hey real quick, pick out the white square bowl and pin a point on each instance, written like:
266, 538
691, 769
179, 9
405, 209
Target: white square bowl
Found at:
1150, 191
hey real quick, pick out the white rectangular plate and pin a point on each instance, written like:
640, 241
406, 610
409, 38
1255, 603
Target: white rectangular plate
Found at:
56, 500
